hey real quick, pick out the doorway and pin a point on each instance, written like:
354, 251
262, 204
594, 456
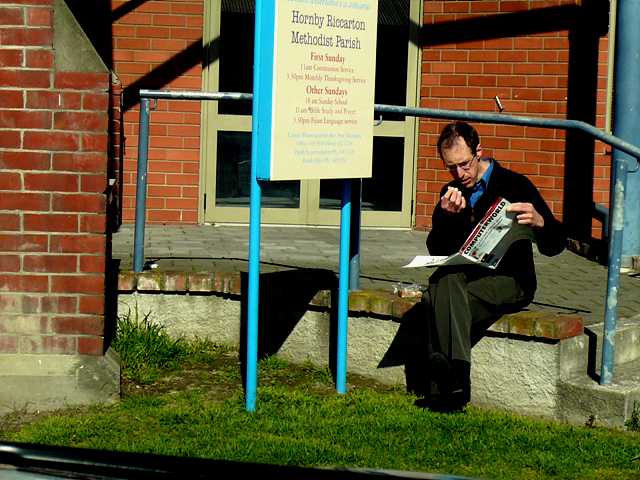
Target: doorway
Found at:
387, 196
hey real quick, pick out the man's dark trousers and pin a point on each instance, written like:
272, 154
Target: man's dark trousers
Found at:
461, 303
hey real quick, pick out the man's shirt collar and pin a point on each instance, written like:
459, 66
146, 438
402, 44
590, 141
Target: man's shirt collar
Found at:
481, 185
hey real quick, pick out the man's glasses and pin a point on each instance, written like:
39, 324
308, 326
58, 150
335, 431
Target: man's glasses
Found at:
466, 166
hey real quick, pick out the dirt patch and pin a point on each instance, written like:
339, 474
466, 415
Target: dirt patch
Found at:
218, 375
219, 378
223, 377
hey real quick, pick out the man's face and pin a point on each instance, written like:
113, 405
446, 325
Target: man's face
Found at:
462, 163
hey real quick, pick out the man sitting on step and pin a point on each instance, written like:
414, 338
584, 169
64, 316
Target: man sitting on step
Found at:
463, 301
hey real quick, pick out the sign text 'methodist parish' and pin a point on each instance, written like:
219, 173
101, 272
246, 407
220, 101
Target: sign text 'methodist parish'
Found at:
339, 40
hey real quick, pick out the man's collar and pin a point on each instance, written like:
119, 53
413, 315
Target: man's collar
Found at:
484, 180
480, 186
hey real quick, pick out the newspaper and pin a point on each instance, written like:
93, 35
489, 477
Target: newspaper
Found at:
487, 243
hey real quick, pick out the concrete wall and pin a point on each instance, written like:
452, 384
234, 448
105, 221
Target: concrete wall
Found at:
520, 373
218, 318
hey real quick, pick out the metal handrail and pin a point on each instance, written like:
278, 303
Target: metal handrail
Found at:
484, 117
616, 209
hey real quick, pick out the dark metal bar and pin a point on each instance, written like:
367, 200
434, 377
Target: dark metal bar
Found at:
141, 187
613, 273
485, 117
603, 212
500, 118
354, 247
32, 461
189, 95
625, 192
626, 115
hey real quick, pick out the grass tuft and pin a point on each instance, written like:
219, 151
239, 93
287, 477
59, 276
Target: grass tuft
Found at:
146, 349
633, 424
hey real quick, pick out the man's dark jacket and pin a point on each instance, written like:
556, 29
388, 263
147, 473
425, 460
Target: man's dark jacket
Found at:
450, 230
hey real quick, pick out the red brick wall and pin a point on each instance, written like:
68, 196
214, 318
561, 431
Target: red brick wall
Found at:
475, 50
53, 150
519, 50
158, 45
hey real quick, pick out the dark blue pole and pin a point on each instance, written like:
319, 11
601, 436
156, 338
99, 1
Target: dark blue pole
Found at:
141, 187
613, 272
354, 248
625, 191
627, 115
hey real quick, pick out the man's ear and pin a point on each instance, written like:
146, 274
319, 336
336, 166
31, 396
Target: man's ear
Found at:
479, 150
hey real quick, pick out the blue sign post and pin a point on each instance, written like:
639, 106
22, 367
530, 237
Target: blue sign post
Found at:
264, 20
312, 118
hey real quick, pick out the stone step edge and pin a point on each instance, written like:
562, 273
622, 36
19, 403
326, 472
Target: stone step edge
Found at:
583, 399
528, 323
626, 340
619, 384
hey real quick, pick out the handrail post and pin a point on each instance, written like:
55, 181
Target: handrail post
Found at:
613, 272
354, 250
141, 186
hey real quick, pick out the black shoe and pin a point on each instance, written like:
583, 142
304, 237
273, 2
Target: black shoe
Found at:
440, 370
453, 380
458, 399
460, 393
440, 404
417, 378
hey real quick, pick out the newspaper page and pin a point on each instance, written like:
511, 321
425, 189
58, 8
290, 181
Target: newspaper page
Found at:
487, 243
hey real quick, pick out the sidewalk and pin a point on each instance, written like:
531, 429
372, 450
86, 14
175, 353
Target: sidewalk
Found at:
566, 283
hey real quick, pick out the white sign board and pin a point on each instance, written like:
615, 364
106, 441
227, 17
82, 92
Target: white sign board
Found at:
316, 93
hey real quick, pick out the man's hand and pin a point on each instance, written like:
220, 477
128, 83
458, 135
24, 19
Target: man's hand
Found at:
526, 214
453, 201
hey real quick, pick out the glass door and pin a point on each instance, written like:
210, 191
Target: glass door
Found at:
226, 127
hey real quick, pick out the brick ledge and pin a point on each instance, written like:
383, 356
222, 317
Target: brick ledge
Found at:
528, 323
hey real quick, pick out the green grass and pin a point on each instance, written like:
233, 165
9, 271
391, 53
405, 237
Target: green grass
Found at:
633, 423
146, 349
195, 407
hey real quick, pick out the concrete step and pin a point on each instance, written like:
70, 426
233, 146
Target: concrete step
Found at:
583, 400
627, 342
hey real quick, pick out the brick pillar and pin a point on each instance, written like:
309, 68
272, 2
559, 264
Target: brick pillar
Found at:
53, 178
